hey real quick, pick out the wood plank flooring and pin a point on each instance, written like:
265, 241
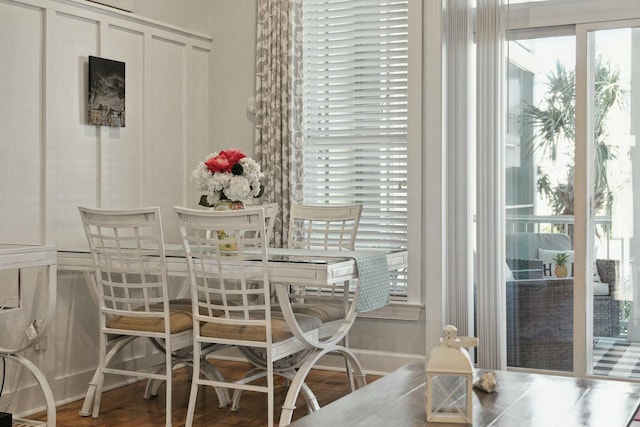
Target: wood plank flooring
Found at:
125, 406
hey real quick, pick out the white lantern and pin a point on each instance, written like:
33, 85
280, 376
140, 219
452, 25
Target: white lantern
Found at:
450, 379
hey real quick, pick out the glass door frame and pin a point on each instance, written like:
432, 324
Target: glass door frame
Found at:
584, 216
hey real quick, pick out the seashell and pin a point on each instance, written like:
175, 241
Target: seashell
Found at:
487, 382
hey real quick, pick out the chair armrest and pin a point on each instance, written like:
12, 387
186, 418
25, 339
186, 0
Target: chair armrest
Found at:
609, 271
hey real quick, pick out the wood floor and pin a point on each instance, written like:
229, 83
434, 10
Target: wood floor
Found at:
125, 406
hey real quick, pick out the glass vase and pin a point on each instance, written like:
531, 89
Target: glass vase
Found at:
229, 205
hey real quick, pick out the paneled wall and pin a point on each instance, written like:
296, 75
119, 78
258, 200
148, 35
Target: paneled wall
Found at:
52, 161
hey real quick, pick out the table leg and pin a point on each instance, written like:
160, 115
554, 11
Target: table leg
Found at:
44, 385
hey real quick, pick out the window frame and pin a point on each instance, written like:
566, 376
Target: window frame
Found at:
409, 309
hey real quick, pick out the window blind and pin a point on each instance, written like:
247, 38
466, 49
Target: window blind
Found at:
354, 118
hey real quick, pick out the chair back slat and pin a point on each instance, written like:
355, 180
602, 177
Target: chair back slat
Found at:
227, 257
129, 257
324, 227
270, 213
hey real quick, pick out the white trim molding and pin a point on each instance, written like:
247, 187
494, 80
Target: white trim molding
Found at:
126, 5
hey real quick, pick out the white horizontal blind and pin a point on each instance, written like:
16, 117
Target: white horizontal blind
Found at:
355, 87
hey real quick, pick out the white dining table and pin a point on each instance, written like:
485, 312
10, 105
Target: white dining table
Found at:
304, 267
301, 266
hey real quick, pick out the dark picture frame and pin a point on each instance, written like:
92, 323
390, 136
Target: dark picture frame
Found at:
106, 92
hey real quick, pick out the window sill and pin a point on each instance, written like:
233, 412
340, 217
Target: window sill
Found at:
395, 311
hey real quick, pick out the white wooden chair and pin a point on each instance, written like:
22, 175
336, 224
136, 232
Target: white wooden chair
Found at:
131, 278
325, 227
227, 257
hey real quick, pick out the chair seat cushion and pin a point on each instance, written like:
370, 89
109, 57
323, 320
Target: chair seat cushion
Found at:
279, 329
180, 321
324, 312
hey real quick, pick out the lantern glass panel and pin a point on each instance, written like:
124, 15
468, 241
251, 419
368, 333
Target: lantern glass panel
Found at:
449, 395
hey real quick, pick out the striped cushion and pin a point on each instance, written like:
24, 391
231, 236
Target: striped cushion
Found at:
184, 304
279, 329
323, 312
326, 313
179, 319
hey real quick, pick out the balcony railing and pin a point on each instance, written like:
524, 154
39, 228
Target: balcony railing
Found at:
546, 223
607, 245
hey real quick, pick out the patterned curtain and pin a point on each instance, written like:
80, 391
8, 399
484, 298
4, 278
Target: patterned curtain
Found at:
277, 64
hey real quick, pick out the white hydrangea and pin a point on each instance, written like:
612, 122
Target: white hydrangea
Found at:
226, 185
250, 167
238, 188
218, 182
200, 177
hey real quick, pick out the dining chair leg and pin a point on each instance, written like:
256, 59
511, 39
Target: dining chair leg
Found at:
250, 376
309, 396
98, 396
347, 366
270, 386
89, 398
87, 404
191, 407
288, 375
169, 386
298, 381
151, 390
211, 373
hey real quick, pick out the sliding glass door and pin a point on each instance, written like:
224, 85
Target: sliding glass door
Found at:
572, 167
539, 171
611, 121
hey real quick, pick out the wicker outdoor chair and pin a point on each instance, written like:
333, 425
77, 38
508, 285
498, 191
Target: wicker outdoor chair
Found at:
540, 315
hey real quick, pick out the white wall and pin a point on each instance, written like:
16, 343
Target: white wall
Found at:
21, 124
191, 14
233, 27
232, 23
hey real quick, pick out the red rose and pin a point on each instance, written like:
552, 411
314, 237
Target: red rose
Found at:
233, 156
224, 161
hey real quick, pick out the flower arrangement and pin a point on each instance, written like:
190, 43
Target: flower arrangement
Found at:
227, 175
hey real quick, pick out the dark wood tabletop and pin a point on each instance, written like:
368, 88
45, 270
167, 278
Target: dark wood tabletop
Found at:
522, 399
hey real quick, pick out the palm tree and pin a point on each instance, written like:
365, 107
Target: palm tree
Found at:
553, 125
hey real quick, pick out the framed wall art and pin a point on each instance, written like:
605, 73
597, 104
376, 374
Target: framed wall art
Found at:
106, 92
